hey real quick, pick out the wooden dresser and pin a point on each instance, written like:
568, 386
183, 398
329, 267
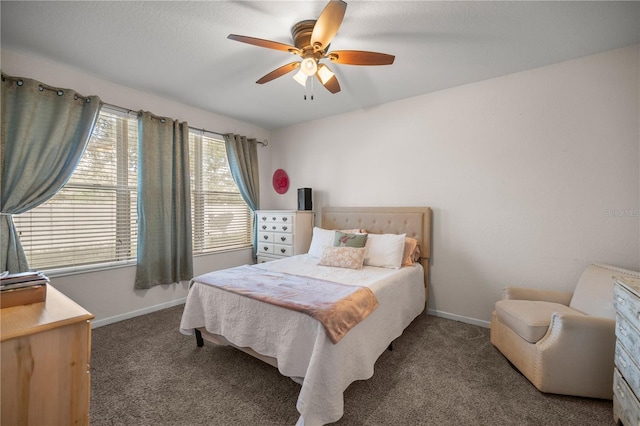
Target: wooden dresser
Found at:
626, 376
283, 233
45, 362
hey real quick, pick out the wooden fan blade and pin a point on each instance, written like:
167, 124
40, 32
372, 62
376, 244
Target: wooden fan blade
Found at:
263, 43
278, 72
331, 85
327, 25
360, 57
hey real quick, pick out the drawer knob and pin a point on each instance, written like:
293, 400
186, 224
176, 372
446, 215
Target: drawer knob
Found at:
274, 218
283, 238
265, 248
264, 226
623, 331
623, 364
620, 300
284, 219
283, 250
264, 218
266, 237
284, 228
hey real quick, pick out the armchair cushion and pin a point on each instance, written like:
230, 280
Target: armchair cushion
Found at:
529, 319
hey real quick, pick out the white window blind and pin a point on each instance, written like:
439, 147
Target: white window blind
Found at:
92, 221
220, 217
93, 218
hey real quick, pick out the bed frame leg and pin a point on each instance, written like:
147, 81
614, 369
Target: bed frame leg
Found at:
199, 339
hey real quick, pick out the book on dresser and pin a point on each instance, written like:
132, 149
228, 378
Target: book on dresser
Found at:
626, 376
22, 288
283, 233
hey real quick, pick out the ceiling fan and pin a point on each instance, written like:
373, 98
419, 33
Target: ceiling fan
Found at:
311, 39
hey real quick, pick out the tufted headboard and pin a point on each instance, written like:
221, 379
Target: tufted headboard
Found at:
413, 221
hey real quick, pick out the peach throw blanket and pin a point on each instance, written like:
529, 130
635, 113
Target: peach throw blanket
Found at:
338, 307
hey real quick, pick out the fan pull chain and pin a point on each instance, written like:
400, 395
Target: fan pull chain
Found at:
305, 90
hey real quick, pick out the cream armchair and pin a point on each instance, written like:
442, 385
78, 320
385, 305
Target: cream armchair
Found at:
562, 342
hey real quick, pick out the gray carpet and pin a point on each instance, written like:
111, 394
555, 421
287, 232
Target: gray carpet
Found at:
440, 372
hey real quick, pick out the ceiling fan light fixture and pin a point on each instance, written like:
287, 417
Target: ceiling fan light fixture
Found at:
301, 77
309, 66
325, 73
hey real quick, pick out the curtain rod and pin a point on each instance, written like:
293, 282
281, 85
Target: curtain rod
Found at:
127, 110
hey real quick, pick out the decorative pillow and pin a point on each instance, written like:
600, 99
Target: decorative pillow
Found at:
320, 239
411, 251
353, 231
343, 239
343, 257
385, 250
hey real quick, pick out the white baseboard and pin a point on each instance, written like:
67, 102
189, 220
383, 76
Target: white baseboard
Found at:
132, 314
172, 303
460, 318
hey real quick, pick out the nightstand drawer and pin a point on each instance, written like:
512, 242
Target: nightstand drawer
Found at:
626, 304
627, 335
626, 406
628, 368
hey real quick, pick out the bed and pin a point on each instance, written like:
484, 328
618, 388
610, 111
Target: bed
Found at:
297, 344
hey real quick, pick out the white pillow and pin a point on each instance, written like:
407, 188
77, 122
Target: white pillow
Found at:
384, 250
320, 239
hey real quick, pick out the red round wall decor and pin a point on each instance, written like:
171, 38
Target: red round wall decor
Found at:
280, 181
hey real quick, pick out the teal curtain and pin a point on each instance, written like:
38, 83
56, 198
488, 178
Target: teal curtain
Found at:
242, 154
45, 131
164, 202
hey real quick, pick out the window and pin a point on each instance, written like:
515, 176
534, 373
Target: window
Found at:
92, 221
220, 217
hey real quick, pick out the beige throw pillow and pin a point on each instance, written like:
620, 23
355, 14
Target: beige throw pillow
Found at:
343, 257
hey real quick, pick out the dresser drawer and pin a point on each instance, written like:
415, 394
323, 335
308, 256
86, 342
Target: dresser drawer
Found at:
626, 304
628, 368
265, 237
626, 406
275, 217
265, 248
282, 238
275, 227
282, 250
627, 335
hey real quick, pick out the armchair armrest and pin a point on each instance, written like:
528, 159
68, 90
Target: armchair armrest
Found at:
577, 343
523, 293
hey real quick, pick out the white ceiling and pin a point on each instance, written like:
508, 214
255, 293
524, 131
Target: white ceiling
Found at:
180, 50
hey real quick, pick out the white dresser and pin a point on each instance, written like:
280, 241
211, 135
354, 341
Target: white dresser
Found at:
626, 376
283, 233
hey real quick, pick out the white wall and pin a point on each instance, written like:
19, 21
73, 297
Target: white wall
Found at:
531, 176
109, 295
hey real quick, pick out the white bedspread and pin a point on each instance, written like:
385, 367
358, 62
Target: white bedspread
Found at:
299, 342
